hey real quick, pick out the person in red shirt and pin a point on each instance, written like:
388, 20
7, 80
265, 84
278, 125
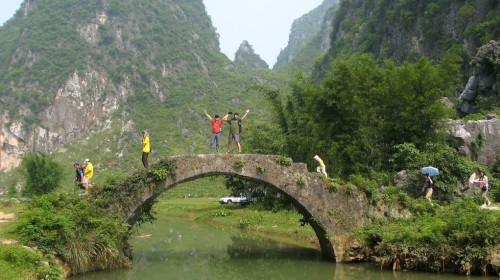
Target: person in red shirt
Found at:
216, 130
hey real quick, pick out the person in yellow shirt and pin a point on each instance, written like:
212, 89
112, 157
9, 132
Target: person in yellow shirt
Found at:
88, 173
146, 148
321, 168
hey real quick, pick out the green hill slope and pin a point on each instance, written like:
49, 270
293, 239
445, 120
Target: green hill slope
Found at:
83, 78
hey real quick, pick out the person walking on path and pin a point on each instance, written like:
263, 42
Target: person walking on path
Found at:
146, 148
216, 130
428, 186
235, 130
322, 167
88, 173
483, 184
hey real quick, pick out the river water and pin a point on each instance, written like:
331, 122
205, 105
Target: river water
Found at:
187, 250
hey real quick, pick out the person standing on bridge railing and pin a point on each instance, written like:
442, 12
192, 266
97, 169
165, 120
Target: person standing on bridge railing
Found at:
146, 148
235, 130
216, 130
322, 167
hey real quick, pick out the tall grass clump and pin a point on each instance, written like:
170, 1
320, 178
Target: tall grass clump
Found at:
85, 237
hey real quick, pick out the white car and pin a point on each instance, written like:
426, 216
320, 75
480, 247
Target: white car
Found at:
234, 199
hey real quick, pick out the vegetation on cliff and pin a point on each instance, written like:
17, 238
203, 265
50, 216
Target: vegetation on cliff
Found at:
457, 238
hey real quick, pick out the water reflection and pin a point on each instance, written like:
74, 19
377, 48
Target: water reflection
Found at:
183, 250
246, 247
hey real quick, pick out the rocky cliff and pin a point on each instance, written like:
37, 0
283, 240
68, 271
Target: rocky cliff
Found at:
482, 91
83, 104
477, 140
407, 30
316, 23
82, 68
246, 57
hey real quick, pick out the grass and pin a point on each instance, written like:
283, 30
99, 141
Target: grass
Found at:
7, 225
199, 201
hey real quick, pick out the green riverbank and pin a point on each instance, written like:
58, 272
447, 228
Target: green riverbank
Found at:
452, 238
281, 226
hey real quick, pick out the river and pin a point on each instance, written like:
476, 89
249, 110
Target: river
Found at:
173, 249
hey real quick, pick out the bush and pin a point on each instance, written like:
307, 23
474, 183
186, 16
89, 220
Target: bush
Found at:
84, 236
436, 240
18, 262
369, 187
42, 174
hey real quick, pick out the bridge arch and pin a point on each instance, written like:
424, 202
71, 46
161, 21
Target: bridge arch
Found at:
331, 214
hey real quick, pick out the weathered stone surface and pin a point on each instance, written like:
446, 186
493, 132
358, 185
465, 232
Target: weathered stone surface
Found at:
495, 259
84, 104
478, 140
332, 214
484, 82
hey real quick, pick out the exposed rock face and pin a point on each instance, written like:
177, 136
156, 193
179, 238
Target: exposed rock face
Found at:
84, 104
495, 259
246, 57
12, 146
484, 83
65, 86
478, 140
305, 28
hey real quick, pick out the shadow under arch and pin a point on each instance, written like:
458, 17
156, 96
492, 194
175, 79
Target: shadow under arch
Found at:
329, 213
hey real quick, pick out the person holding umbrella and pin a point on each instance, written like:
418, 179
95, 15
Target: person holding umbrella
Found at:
428, 185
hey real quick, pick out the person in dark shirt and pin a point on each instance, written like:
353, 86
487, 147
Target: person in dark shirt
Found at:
235, 130
79, 175
428, 186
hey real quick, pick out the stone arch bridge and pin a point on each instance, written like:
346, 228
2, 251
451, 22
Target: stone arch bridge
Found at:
331, 213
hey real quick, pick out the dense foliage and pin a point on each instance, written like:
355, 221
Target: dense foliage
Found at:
89, 234
21, 263
356, 116
43, 174
373, 27
84, 236
456, 238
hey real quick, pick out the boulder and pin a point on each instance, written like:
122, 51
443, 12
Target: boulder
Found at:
478, 140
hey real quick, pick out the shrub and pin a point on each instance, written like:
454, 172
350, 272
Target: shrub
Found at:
369, 187
285, 161
18, 262
84, 236
42, 174
443, 240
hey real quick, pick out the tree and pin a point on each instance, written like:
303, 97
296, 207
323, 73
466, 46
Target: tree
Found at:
42, 174
362, 109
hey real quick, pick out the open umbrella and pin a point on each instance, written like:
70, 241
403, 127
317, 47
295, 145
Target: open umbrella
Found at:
472, 178
431, 171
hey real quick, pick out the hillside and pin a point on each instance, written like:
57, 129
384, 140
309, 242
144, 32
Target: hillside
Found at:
246, 57
407, 30
83, 78
313, 26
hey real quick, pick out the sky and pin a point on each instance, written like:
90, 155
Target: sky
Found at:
265, 24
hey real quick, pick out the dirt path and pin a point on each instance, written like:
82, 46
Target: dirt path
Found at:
4, 216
